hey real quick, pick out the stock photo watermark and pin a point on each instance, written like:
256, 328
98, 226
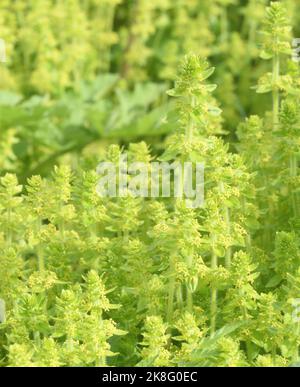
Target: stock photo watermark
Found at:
2, 51
296, 50
157, 179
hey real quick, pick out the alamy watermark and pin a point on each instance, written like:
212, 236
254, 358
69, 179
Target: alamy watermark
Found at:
156, 179
2, 51
296, 50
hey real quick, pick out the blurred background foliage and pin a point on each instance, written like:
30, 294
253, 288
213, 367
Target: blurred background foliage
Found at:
81, 73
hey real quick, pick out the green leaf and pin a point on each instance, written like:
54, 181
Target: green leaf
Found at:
274, 281
207, 73
264, 88
214, 111
207, 347
266, 55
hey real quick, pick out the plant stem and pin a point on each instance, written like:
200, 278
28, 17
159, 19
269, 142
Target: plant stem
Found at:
214, 294
179, 297
37, 338
189, 293
189, 299
226, 212
9, 231
276, 97
171, 290
189, 132
229, 250
39, 251
293, 175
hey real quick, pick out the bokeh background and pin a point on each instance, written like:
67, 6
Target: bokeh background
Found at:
82, 74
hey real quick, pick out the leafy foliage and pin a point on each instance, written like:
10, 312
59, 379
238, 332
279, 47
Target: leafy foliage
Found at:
92, 281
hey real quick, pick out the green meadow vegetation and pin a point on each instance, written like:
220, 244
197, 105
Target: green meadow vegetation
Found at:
97, 281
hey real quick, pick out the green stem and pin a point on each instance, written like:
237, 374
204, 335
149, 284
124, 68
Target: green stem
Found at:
293, 174
189, 299
39, 249
229, 250
171, 290
9, 231
37, 338
276, 96
214, 294
226, 212
189, 132
189, 292
245, 316
102, 361
179, 297
248, 243
213, 311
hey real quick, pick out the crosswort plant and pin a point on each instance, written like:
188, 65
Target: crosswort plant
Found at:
129, 278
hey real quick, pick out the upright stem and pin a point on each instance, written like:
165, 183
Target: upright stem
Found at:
293, 174
39, 250
214, 294
276, 97
245, 316
37, 338
229, 250
189, 299
226, 212
9, 231
248, 243
189, 131
189, 293
171, 290
102, 360
179, 297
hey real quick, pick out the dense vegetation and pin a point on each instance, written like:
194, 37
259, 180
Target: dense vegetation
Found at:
92, 281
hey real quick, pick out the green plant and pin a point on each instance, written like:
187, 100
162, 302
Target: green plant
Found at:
97, 281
